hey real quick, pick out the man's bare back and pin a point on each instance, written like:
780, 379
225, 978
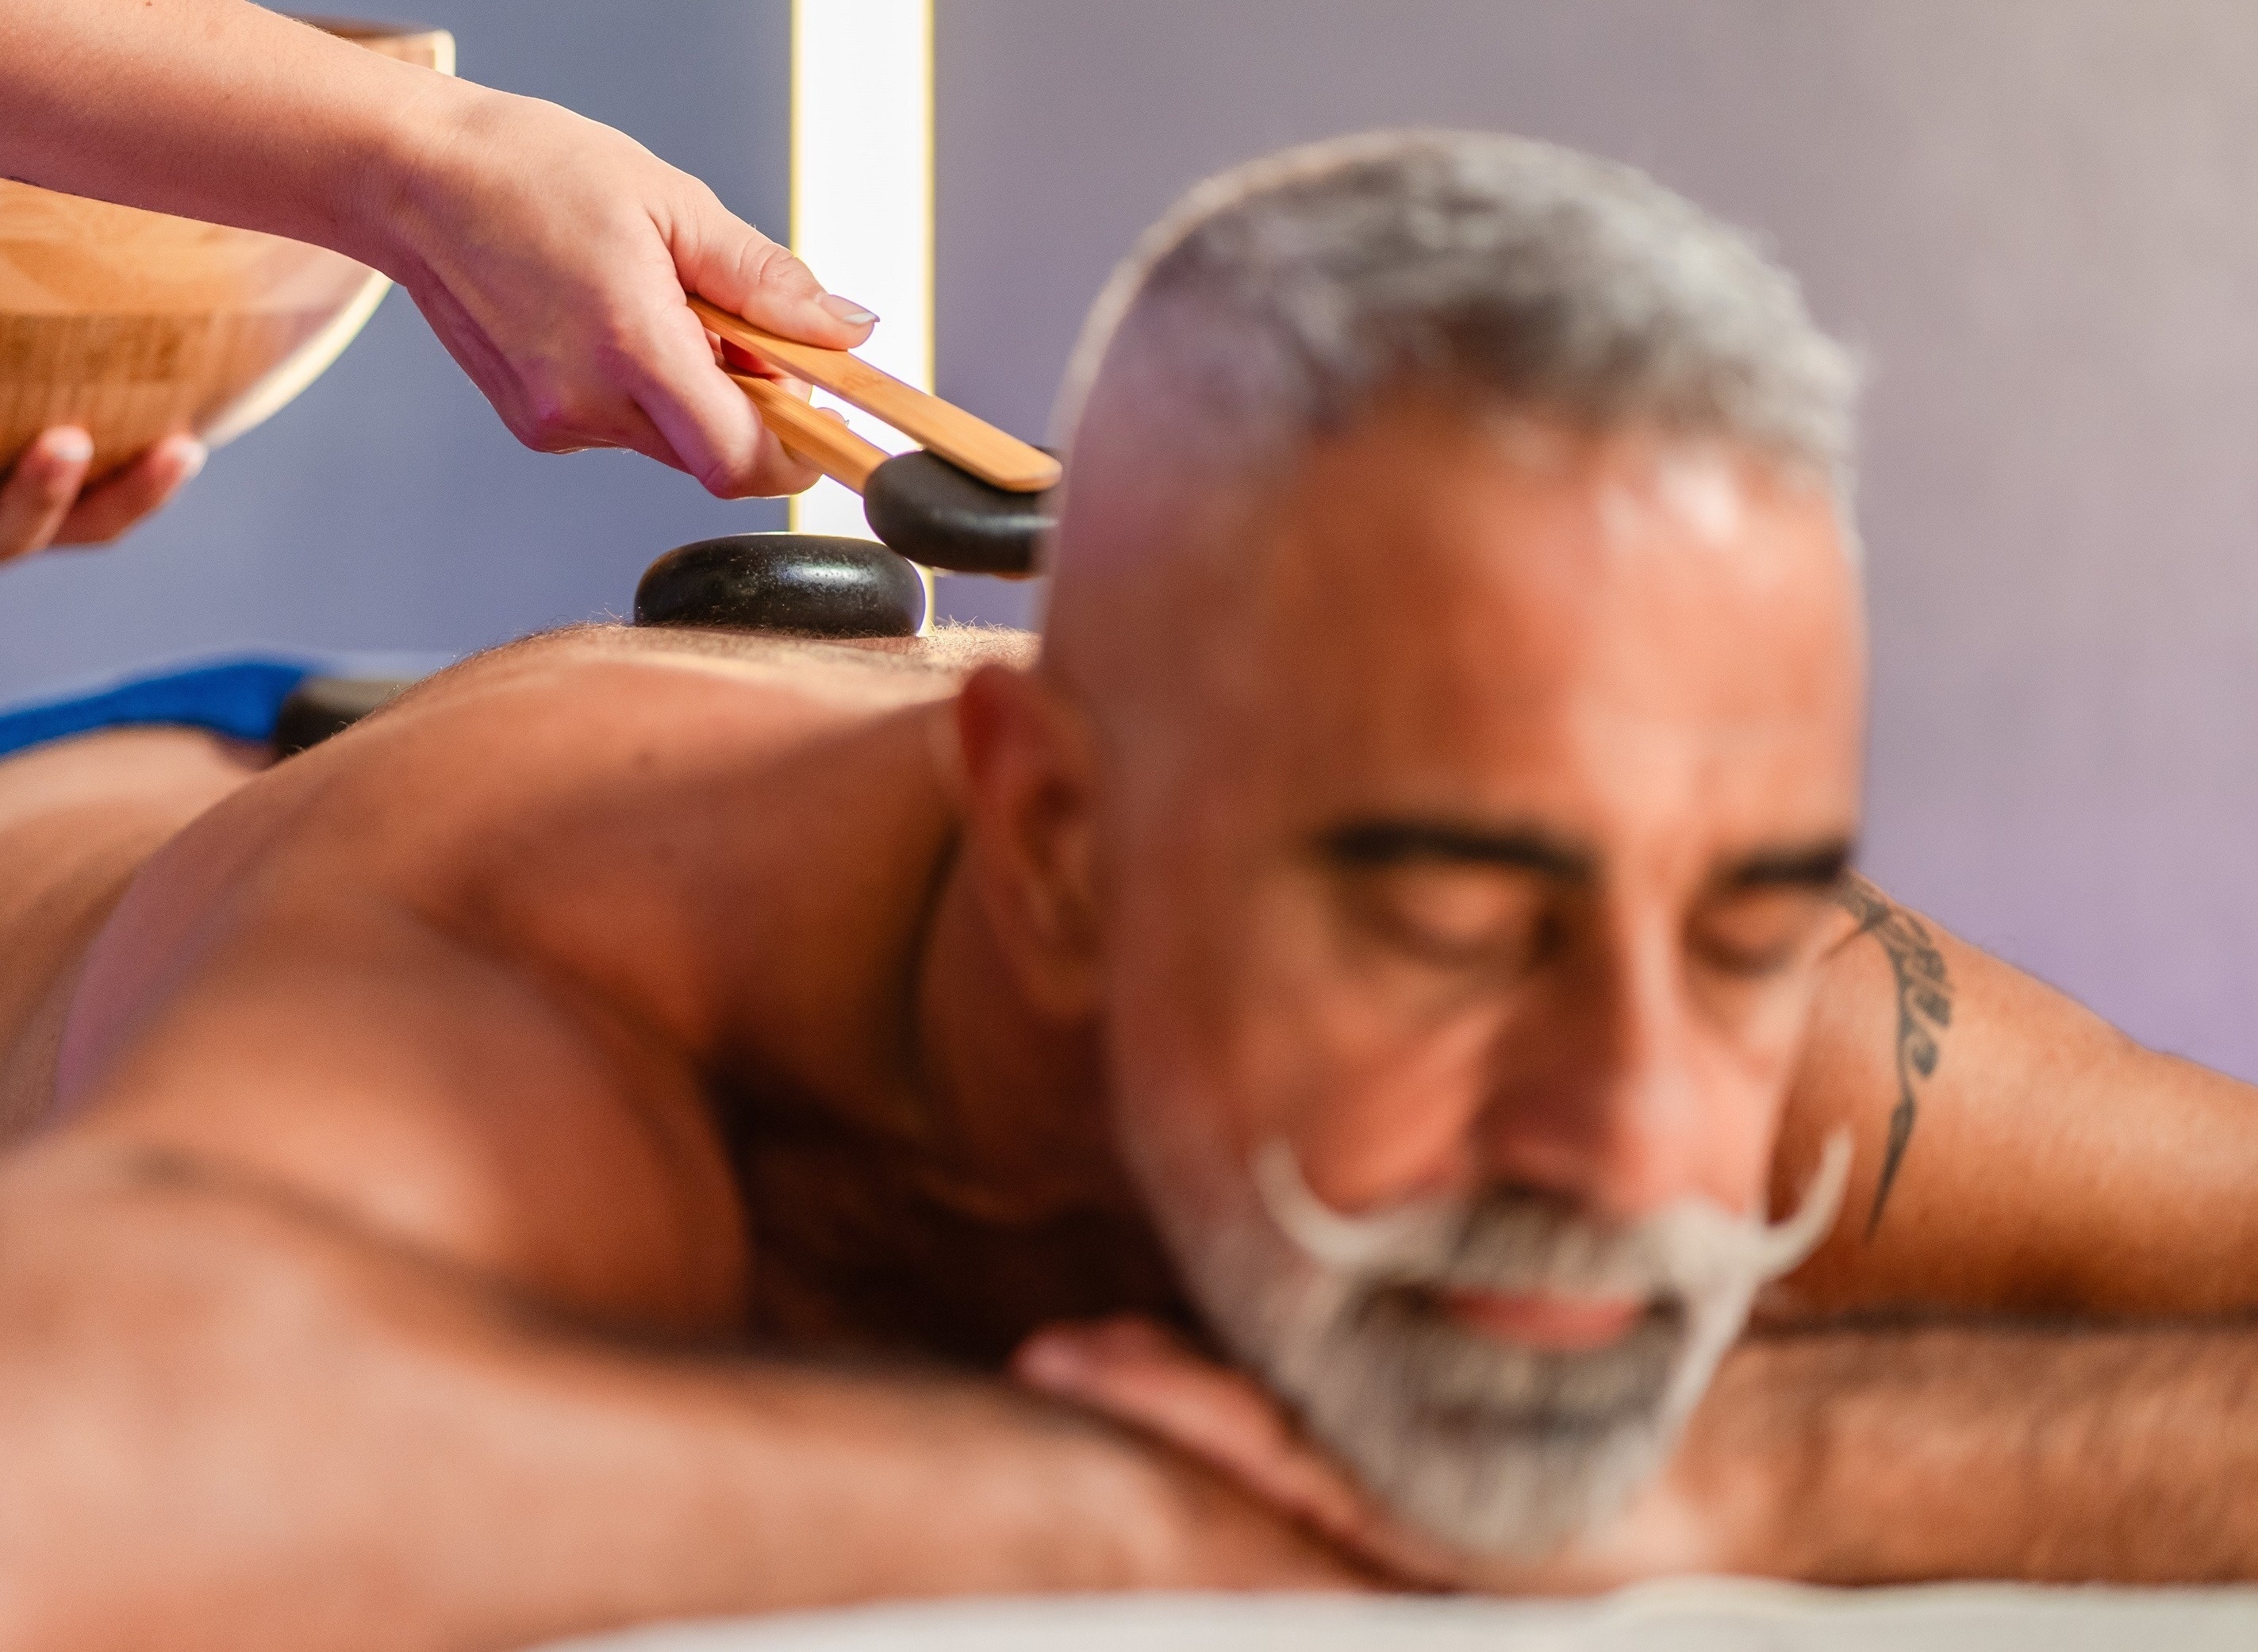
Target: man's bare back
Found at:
659, 908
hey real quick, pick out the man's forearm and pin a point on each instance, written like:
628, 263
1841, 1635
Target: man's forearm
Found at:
2052, 1455
294, 1434
212, 109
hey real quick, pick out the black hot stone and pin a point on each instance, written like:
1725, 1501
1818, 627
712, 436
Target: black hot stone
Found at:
321, 706
805, 583
933, 513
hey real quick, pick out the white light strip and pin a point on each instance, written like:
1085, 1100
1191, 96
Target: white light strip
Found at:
862, 197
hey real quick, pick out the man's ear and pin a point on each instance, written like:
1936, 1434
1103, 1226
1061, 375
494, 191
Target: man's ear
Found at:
1030, 775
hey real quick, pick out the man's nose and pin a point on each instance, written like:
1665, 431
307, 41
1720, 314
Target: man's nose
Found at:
1614, 1115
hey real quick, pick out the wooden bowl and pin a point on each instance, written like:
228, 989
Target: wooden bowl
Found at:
133, 324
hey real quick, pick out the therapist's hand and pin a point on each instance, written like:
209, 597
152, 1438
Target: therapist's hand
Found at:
45, 500
551, 255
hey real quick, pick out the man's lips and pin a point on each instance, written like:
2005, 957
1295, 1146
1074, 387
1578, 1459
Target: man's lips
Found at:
1559, 1324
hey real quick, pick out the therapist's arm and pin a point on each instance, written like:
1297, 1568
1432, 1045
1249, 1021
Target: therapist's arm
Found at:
551, 254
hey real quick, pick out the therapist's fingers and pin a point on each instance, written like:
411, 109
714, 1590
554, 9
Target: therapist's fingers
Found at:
102, 514
786, 472
39, 492
706, 419
730, 264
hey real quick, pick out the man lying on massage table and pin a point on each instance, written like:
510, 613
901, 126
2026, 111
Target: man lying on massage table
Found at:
1297, 1087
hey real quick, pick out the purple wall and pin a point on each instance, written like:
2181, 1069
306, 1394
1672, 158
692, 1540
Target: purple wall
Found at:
2038, 218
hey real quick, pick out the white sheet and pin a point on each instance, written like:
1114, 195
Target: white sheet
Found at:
1702, 1615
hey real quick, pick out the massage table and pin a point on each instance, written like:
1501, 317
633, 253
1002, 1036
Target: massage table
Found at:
1688, 1615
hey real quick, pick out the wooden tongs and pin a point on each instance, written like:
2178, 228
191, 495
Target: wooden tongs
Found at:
971, 499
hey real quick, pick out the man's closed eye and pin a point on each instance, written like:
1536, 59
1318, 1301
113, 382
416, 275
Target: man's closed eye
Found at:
1755, 933
1460, 918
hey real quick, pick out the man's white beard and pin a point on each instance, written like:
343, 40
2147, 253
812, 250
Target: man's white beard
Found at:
1489, 1447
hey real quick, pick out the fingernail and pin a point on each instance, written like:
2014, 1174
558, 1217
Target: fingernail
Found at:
847, 311
192, 461
69, 446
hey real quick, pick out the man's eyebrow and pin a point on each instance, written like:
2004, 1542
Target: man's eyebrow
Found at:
1811, 866
1391, 843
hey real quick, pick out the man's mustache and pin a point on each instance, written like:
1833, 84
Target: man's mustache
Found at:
1513, 1239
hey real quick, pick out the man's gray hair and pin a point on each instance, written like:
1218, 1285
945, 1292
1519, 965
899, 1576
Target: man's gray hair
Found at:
1280, 300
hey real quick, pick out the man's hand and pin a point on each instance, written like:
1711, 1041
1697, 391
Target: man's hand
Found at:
551, 255
1136, 1372
1139, 1374
45, 500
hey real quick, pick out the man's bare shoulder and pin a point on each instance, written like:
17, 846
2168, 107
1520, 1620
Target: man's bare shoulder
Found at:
587, 757
631, 714
581, 758
877, 671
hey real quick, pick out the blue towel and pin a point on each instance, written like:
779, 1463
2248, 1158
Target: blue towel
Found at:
241, 698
